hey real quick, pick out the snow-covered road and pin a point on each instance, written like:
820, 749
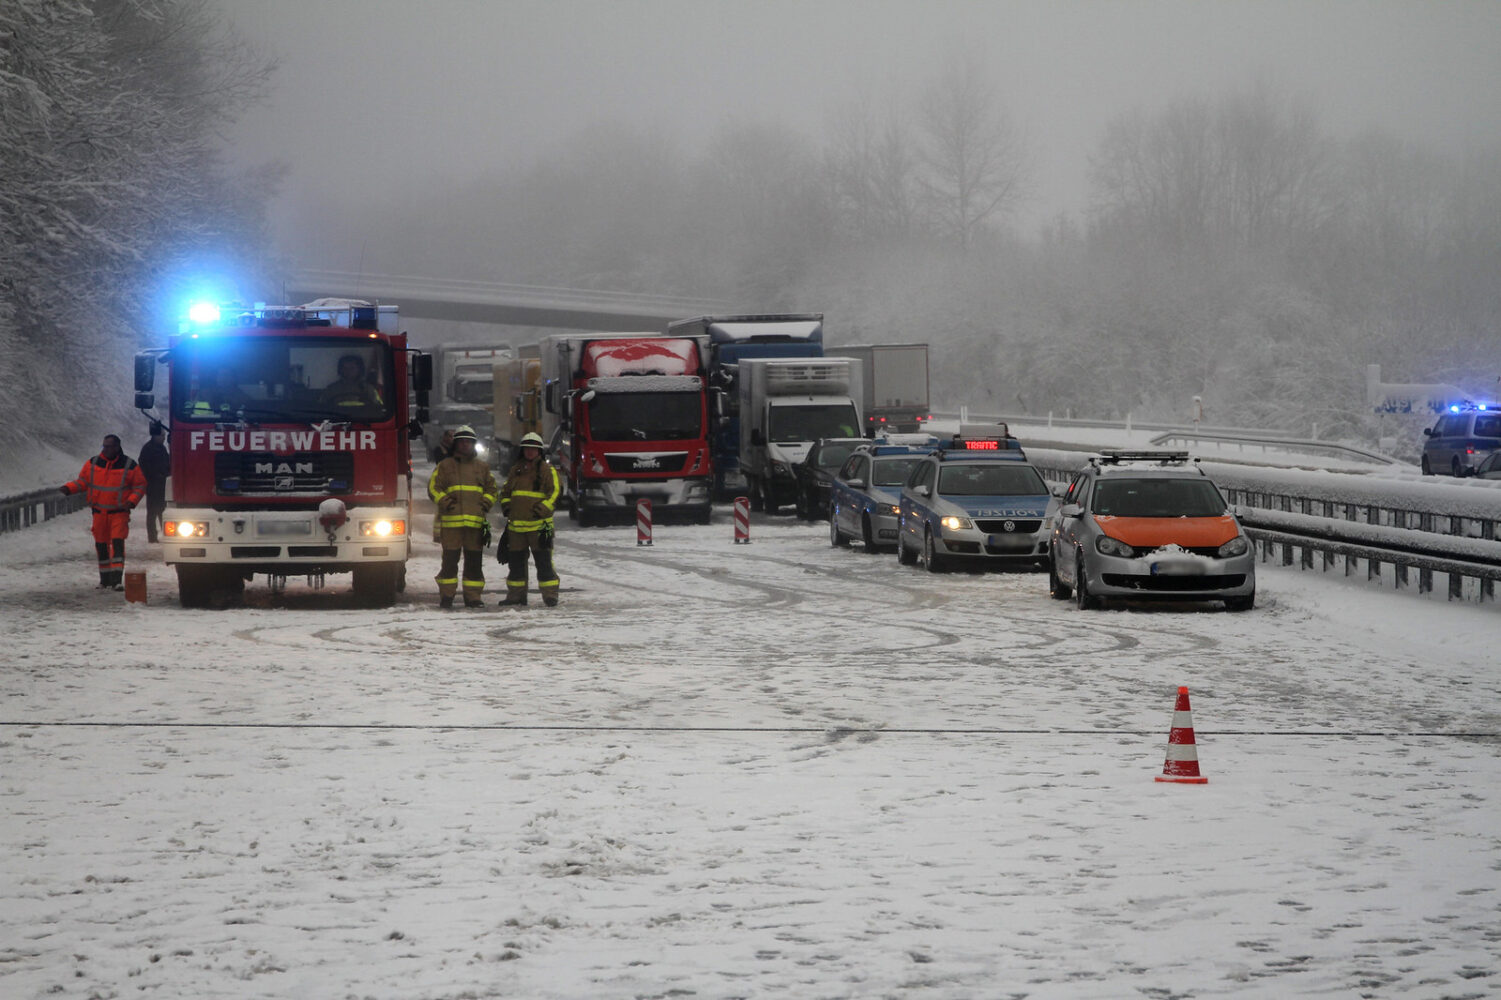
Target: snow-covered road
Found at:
778, 769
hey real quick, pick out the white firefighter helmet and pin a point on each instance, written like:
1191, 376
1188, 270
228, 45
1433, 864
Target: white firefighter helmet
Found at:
531, 439
465, 433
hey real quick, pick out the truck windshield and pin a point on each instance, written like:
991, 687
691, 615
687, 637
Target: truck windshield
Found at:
469, 388
282, 380
646, 416
1157, 498
811, 421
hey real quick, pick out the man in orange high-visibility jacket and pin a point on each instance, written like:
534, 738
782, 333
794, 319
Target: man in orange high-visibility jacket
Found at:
113, 484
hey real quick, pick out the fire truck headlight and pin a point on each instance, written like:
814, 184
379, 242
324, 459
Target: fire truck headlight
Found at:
203, 312
383, 529
185, 529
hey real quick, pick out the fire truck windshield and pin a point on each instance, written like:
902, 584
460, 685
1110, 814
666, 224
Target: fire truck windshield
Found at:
282, 380
646, 416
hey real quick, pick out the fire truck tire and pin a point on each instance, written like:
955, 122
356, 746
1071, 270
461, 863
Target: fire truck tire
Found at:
375, 586
194, 586
208, 586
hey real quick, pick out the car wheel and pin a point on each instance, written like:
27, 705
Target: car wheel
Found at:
867, 534
1427, 469
1057, 589
1241, 603
1082, 597
837, 538
931, 560
1454, 468
904, 555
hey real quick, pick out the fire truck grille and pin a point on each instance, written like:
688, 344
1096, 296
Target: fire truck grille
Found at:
242, 473
655, 464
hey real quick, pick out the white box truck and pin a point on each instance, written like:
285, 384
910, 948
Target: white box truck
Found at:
786, 404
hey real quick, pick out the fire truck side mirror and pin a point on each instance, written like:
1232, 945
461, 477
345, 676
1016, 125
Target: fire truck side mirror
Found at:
422, 372
145, 374
145, 400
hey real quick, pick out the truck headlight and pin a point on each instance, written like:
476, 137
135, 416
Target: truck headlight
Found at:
185, 529
955, 523
1234, 547
383, 529
1113, 547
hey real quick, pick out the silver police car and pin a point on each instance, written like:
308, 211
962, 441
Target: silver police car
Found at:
865, 493
975, 499
1149, 525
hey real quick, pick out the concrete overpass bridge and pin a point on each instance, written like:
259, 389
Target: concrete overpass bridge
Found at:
502, 304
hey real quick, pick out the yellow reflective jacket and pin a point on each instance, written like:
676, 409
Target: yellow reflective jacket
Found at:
529, 495
464, 490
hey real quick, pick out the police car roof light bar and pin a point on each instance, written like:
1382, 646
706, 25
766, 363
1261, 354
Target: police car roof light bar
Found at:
1116, 455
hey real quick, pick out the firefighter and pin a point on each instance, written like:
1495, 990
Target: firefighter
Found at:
113, 485
351, 389
527, 499
464, 489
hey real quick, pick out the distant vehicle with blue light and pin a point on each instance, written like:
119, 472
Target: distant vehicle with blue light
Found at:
1461, 439
975, 499
865, 494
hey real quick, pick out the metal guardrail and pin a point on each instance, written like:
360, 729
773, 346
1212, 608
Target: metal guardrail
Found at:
25, 509
1244, 436
1296, 445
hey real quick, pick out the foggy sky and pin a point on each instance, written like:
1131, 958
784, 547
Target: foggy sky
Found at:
394, 97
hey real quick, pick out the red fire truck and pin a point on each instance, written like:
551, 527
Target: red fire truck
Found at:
289, 431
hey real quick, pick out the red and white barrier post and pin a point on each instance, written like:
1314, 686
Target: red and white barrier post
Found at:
742, 520
643, 522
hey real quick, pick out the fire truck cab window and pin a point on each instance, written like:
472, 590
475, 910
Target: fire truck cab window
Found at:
274, 379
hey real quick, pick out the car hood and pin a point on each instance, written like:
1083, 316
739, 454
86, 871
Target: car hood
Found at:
1155, 532
1029, 505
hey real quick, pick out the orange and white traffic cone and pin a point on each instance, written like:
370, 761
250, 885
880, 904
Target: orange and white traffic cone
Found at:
1182, 765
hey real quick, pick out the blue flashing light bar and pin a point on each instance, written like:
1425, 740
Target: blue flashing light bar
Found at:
203, 312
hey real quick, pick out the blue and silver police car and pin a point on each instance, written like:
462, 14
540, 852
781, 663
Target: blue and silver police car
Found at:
864, 493
976, 499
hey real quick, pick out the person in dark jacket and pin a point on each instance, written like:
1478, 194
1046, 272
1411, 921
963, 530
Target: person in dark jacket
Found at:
113, 485
156, 466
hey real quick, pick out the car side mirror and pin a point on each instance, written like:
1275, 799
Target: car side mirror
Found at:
922, 490
856, 483
1070, 510
1428, 432
1058, 489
